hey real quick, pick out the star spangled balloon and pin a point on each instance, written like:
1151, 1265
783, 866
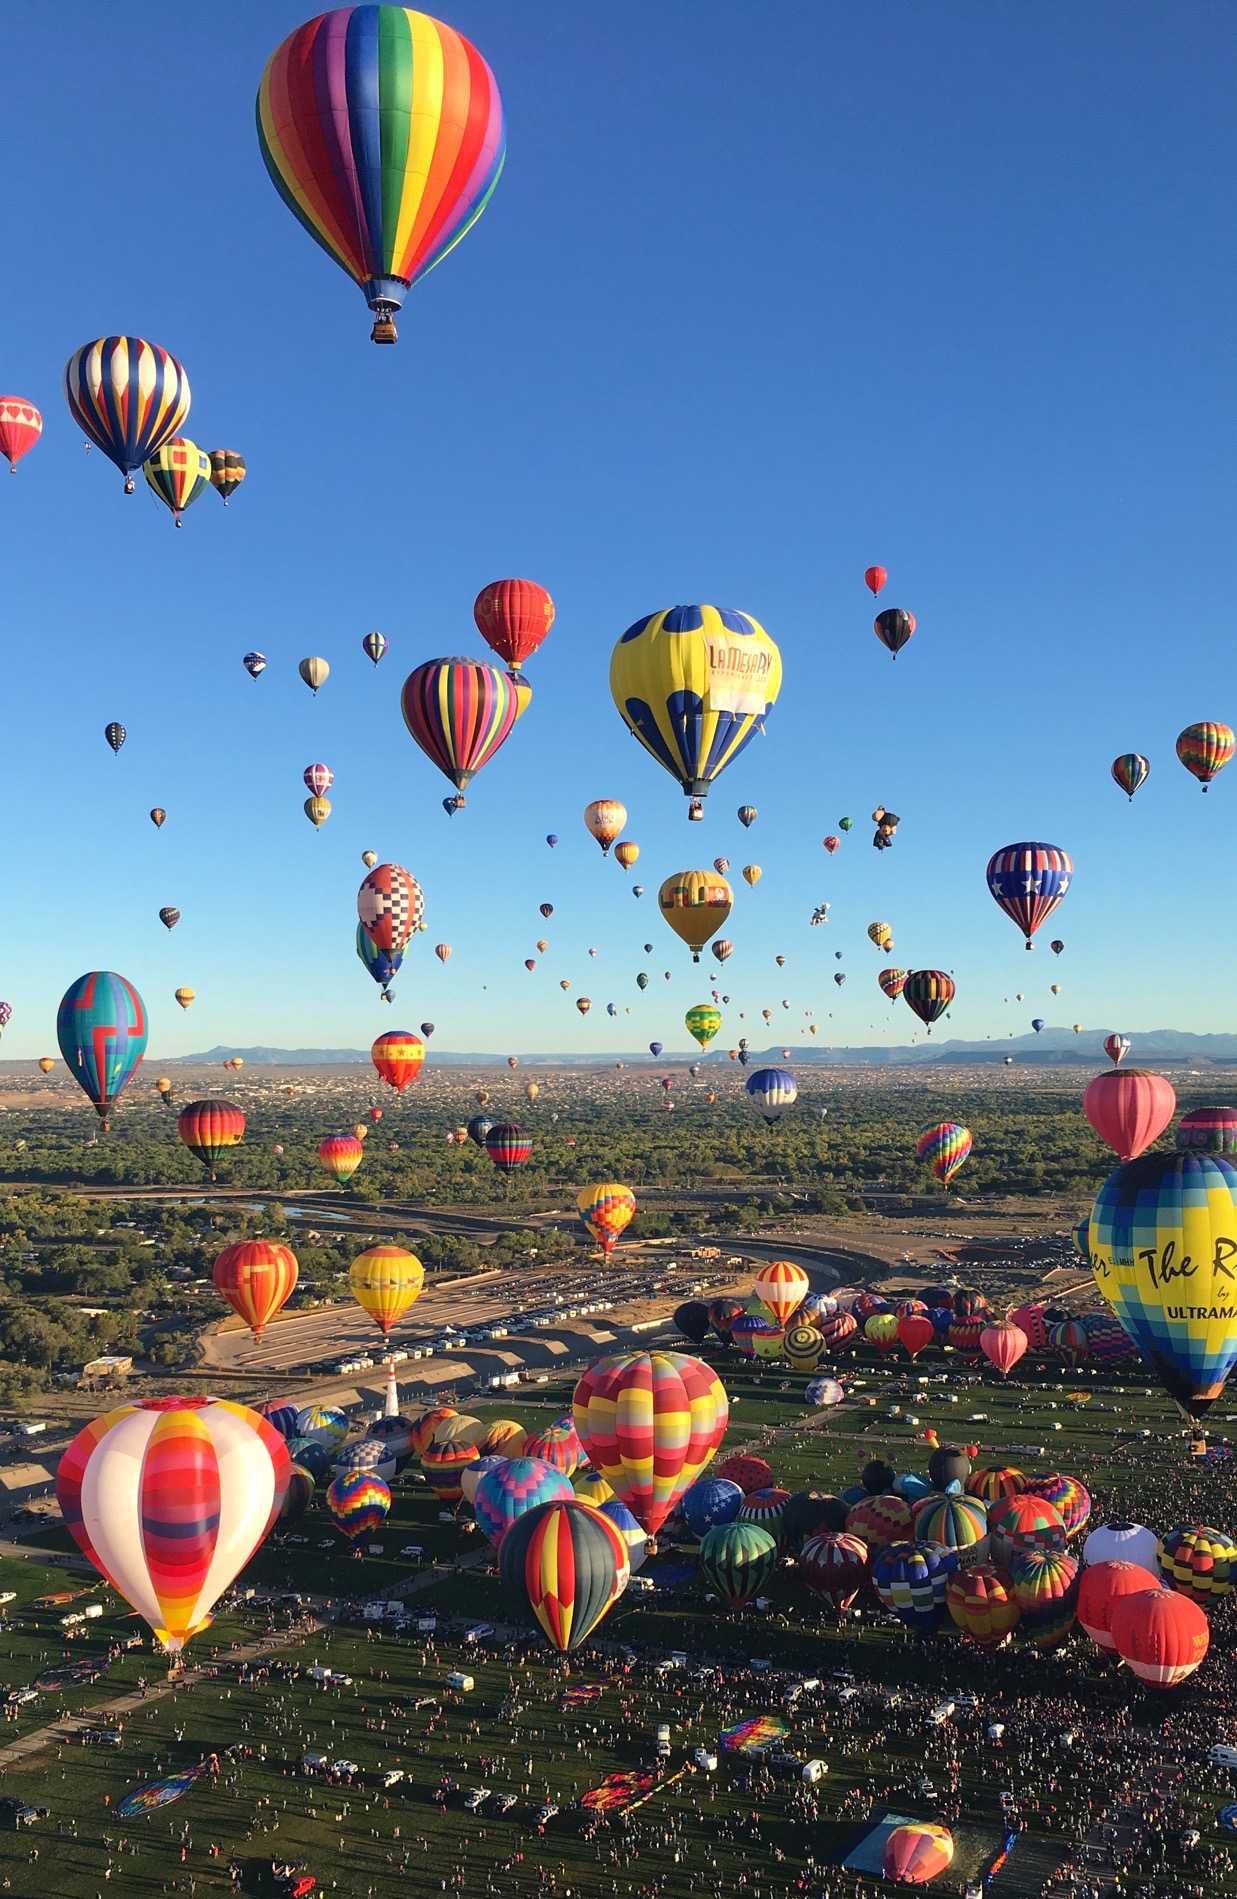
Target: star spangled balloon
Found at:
1028, 881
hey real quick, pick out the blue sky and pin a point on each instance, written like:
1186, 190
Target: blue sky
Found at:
765, 294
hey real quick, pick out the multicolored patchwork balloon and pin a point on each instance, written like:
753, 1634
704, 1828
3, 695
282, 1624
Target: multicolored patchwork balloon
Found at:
101, 1026
357, 1502
512, 1488
650, 1422
944, 1146
606, 1210
459, 711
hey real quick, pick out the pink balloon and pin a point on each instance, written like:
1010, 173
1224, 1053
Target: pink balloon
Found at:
1129, 1108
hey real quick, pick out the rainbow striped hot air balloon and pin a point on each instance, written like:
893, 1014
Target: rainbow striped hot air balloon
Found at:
649, 1423
606, 1210
511, 1489
383, 132
341, 1155
459, 711
982, 1603
1070, 1499
101, 1026
957, 1523
1046, 1590
169, 1499
944, 1145
565, 1565
209, 1128
357, 1502
299, 1494
1206, 748
386, 1281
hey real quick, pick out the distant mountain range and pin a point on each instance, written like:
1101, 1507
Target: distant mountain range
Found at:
1051, 1047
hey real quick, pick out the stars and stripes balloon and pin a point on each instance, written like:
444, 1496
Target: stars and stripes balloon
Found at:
1028, 881
398, 1057
169, 1499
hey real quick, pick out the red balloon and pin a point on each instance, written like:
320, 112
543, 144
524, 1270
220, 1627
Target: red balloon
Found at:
915, 1331
1100, 1592
1030, 1319
750, 1473
1160, 1636
834, 1565
874, 579
1129, 1108
1003, 1345
20, 428
513, 617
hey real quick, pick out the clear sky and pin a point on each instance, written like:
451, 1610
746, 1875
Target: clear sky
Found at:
766, 293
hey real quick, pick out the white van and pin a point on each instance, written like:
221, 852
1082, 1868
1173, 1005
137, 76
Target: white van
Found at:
464, 1683
1221, 1756
814, 1770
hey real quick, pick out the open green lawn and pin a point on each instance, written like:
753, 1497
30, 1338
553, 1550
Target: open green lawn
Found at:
718, 1827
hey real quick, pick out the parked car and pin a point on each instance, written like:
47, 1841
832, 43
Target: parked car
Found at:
474, 1801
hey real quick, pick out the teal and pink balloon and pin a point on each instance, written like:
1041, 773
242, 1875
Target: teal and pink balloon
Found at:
383, 132
1130, 771
101, 1027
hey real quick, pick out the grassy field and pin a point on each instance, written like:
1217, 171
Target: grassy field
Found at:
734, 1826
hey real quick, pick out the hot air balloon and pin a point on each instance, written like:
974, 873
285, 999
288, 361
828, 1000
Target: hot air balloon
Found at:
382, 968
20, 428
1199, 1562
1208, 1131
1162, 1239
771, 1091
391, 907
910, 1579
892, 982
944, 1146
398, 1056
981, 1601
511, 1488
1003, 1345
564, 1565
341, 1155
115, 735
702, 1022
1070, 1499
169, 1499
47, 1063
227, 471
893, 628
694, 684
649, 1423
781, 1286
508, 1146
1021, 1522
254, 663
317, 810
916, 1852
1101, 1588
626, 854
256, 1278
386, 1282
178, 473
1130, 771
1162, 1637
1117, 1047
606, 1211
1129, 1108
513, 618
832, 844
315, 672
1028, 881
881, 935
383, 132
357, 1502
737, 1559
318, 779
834, 1565
929, 993
459, 711
874, 579
752, 874
604, 819
696, 904
1205, 749
101, 1026
128, 396
209, 1128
